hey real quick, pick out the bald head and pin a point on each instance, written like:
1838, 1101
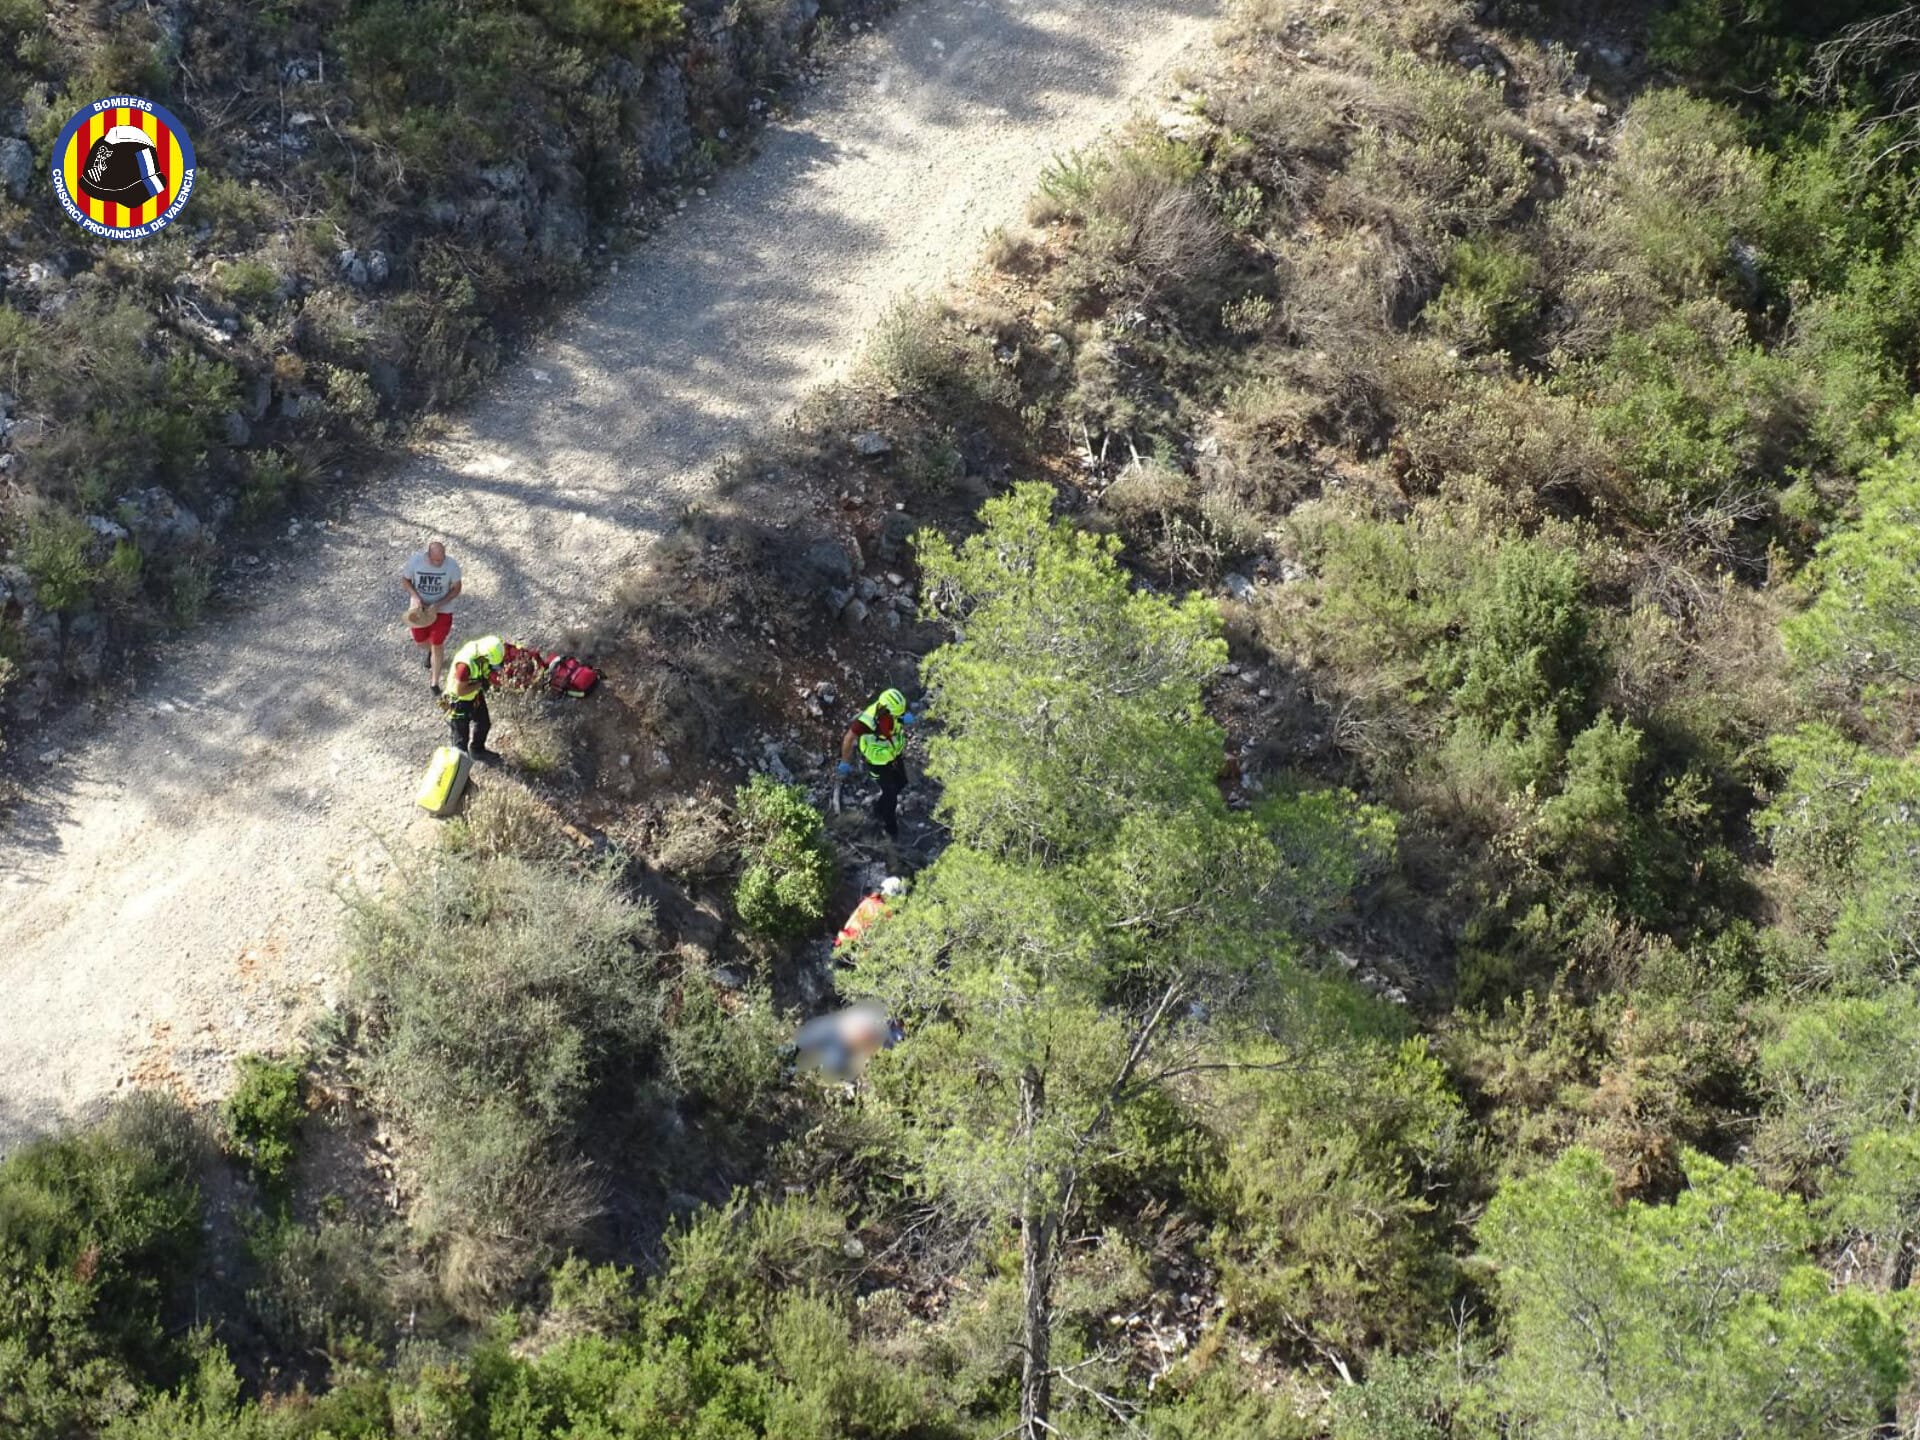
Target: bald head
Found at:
436, 553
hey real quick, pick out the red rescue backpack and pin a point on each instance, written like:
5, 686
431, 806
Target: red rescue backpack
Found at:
567, 675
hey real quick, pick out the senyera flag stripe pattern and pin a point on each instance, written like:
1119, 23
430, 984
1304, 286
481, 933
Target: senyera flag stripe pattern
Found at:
169, 159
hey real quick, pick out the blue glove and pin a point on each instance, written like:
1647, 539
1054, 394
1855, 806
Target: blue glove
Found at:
843, 769
907, 717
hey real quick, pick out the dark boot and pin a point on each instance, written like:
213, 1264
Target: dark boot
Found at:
482, 727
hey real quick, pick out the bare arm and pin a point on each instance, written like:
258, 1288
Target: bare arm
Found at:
452, 590
847, 743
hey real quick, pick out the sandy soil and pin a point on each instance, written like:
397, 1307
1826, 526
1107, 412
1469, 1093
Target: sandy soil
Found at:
169, 894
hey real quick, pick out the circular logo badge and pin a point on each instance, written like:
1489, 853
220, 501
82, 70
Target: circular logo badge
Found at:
123, 168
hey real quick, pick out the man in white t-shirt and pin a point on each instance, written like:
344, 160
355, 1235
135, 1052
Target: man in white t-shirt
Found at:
432, 578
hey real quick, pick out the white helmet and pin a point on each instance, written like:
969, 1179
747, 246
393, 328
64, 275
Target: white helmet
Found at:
893, 887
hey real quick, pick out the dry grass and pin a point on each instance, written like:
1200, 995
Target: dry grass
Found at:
1010, 251
544, 731
694, 841
506, 818
1420, 25
1262, 439
1536, 445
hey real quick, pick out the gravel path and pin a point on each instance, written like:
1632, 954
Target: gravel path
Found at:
168, 894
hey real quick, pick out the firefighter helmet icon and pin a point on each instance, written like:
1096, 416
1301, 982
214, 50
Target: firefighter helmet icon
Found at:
123, 168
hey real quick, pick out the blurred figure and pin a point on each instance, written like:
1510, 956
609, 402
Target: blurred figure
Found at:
841, 1043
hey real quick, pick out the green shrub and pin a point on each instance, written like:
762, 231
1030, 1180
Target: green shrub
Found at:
1419, 1397
54, 553
270, 482
496, 995
1588, 826
1829, 208
1704, 1317
618, 23
250, 284
99, 1229
1321, 1201
1209, 1396
787, 873
1746, 46
1491, 294
1534, 444
20, 18
350, 396
1443, 163
909, 347
1696, 410
1658, 226
724, 1058
261, 1115
1840, 824
1067, 185
318, 1286
1859, 636
1149, 224
1382, 598
1527, 662
189, 585
834, 1386
1837, 1077
1854, 347
443, 325
182, 420
737, 1335
118, 582
236, 210
918, 348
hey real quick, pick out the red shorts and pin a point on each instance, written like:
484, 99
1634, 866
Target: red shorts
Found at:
436, 633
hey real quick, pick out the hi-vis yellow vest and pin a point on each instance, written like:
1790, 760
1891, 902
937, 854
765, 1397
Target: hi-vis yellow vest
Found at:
875, 748
480, 657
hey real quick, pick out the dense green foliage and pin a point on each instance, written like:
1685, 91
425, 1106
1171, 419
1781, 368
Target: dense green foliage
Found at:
1424, 938
787, 872
495, 995
1699, 1318
98, 1231
1101, 919
261, 1114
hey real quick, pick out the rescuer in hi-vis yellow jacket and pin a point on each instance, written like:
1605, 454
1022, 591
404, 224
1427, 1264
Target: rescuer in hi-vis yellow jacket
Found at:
476, 665
879, 733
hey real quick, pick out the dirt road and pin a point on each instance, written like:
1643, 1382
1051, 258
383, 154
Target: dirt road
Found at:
167, 894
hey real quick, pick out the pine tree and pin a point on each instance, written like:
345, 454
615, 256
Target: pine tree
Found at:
1101, 916
1704, 1318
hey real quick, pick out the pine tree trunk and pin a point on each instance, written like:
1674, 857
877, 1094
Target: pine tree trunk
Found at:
1038, 1223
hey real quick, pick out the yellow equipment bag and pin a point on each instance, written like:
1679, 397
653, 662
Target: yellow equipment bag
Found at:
445, 780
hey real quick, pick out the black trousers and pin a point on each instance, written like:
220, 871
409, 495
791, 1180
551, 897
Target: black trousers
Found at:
893, 779
470, 716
